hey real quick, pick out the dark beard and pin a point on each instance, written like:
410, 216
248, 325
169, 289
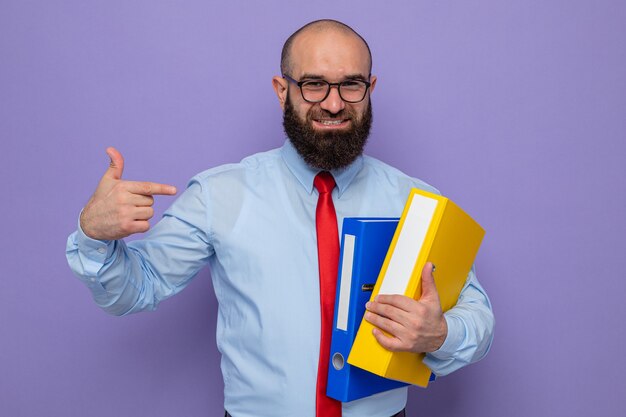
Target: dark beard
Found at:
327, 150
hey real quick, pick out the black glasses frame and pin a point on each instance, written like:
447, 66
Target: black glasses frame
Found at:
330, 85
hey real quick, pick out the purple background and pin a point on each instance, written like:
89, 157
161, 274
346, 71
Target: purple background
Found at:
516, 110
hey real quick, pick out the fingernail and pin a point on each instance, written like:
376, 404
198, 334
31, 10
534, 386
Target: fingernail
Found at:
367, 305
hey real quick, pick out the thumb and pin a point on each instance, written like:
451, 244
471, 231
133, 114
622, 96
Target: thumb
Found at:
429, 289
116, 167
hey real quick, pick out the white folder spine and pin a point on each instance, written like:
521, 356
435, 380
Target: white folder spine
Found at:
346, 282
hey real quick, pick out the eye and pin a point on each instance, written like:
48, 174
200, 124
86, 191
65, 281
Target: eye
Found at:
352, 84
314, 85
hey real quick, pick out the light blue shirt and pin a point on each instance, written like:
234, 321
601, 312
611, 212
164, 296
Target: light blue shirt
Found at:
254, 224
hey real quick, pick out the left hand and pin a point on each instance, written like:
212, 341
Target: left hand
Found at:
411, 325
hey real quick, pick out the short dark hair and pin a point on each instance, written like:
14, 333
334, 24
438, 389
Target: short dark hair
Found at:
323, 24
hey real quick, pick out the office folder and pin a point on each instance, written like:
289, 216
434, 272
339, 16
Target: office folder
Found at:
364, 245
432, 229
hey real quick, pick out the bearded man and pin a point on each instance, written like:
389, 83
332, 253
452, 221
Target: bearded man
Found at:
254, 224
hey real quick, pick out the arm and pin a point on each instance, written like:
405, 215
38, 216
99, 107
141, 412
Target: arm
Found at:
126, 278
452, 340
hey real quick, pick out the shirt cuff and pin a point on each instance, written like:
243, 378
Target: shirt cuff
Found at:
454, 338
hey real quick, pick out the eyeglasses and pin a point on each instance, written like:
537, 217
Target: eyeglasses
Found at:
316, 91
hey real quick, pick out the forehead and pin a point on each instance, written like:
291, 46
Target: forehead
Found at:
331, 53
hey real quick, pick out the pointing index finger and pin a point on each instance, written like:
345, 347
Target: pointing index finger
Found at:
150, 188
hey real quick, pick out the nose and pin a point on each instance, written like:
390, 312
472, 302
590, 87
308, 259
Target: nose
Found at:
333, 103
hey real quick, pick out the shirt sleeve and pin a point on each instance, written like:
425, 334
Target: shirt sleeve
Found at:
470, 330
130, 277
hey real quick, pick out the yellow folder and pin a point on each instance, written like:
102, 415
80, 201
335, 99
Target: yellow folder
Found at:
432, 229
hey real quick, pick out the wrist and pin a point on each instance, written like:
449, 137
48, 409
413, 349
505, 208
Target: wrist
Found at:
85, 223
442, 334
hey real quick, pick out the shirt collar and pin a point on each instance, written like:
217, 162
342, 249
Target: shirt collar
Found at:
306, 173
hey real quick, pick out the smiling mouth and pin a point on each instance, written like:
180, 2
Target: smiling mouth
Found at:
331, 122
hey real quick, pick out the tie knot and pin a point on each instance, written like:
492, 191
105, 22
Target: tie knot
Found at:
324, 182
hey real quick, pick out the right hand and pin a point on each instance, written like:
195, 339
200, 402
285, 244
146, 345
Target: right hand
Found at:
120, 208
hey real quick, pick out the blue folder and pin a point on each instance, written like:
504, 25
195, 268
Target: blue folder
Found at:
364, 244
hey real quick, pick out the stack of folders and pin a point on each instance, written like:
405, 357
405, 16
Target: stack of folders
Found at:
364, 245
432, 229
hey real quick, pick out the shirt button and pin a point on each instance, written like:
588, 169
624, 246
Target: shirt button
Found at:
102, 250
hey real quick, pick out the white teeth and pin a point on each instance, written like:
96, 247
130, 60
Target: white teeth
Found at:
331, 122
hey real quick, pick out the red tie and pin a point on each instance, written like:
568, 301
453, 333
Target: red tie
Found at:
328, 259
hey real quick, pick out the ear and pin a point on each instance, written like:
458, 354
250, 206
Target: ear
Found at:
280, 87
372, 83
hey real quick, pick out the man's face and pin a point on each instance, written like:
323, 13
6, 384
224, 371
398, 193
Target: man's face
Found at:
330, 134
